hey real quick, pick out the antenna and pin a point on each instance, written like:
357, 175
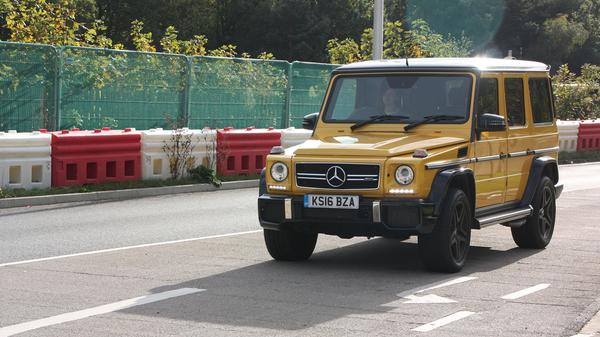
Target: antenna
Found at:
406, 61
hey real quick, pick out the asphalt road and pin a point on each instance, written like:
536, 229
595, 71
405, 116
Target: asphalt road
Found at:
217, 279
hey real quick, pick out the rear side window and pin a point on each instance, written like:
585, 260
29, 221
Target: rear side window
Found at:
541, 105
487, 101
515, 106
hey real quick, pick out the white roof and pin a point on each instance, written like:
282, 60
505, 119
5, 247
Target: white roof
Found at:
479, 63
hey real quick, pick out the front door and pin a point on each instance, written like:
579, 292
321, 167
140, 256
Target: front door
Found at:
490, 147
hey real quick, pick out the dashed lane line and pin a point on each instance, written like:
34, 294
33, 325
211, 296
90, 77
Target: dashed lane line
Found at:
526, 291
103, 309
443, 321
434, 286
110, 250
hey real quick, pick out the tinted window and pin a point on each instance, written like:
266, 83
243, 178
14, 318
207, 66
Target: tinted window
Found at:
356, 98
515, 107
487, 101
541, 106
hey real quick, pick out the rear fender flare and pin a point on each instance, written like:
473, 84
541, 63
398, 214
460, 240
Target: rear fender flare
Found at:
540, 166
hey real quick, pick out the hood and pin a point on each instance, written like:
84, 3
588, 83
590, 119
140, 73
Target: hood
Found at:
372, 145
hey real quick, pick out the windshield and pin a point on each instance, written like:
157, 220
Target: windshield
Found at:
411, 96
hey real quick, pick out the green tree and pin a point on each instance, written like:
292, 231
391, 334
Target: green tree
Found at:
577, 97
399, 42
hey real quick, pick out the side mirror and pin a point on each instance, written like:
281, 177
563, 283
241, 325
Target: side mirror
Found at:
310, 121
490, 122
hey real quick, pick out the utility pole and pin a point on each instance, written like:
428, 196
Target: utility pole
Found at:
378, 30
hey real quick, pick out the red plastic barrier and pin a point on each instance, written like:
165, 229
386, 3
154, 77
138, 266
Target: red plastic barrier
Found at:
98, 156
589, 136
244, 151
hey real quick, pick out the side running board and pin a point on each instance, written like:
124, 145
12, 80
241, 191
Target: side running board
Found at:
513, 215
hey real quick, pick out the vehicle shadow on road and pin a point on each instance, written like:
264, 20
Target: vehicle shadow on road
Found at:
355, 279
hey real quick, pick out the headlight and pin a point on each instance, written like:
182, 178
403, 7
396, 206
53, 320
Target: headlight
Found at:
279, 172
404, 175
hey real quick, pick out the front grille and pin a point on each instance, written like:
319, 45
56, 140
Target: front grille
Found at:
337, 176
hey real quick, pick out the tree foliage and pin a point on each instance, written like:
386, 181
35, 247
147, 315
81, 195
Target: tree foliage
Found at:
577, 97
398, 42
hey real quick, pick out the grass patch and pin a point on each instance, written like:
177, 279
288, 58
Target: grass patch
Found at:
13, 193
578, 157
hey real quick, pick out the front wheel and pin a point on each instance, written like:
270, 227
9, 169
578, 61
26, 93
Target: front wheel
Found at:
537, 231
289, 245
446, 248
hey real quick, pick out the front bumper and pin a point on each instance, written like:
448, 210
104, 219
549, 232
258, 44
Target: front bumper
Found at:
374, 217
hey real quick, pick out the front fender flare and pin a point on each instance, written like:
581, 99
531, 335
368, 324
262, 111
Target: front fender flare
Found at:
445, 179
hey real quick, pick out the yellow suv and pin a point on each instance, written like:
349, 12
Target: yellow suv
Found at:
427, 147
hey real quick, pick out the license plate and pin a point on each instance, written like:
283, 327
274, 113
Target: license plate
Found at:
330, 201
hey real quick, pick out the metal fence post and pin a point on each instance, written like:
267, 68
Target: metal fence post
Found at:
187, 94
58, 87
285, 120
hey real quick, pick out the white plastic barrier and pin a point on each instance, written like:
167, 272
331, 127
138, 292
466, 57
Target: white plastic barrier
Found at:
567, 135
155, 162
292, 137
25, 160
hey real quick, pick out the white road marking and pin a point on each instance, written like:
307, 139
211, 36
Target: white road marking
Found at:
103, 309
526, 291
437, 285
443, 321
110, 250
427, 299
449, 283
582, 335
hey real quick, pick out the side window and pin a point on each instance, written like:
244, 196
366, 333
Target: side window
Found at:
487, 100
515, 103
541, 105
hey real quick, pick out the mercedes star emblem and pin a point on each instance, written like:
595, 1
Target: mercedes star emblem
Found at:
336, 176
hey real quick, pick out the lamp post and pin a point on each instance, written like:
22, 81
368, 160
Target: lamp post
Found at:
378, 30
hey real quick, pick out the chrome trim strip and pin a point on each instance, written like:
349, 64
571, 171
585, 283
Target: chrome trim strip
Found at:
376, 211
287, 205
546, 150
312, 174
312, 178
505, 217
487, 158
454, 162
518, 154
363, 175
446, 163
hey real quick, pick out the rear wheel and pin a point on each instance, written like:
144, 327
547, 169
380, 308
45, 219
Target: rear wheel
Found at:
288, 245
446, 248
537, 231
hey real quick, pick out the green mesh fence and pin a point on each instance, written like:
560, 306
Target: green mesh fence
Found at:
238, 92
308, 86
120, 89
47, 87
27, 96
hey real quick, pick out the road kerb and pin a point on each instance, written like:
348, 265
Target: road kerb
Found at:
121, 194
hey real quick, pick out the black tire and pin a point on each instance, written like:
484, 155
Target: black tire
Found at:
446, 248
289, 245
537, 231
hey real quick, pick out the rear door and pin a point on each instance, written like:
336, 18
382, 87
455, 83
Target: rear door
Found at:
520, 136
490, 147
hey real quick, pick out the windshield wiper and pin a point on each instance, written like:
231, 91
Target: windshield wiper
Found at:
433, 118
377, 118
